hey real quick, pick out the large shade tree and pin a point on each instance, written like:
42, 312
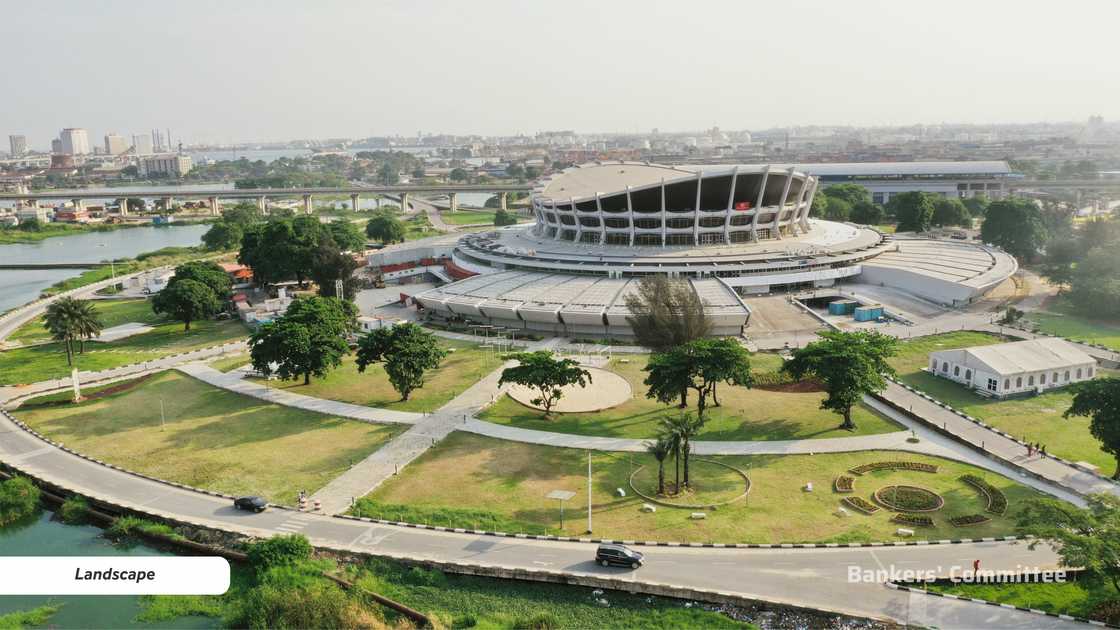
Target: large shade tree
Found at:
699, 365
1100, 400
1086, 539
913, 210
666, 313
407, 352
308, 340
1016, 225
187, 301
848, 364
385, 228
545, 373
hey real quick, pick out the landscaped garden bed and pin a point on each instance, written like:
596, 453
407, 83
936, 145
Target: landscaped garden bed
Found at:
844, 483
909, 499
860, 504
915, 466
912, 520
969, 519
997, 502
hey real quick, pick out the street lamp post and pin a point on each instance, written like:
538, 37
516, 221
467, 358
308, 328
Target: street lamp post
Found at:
589, 491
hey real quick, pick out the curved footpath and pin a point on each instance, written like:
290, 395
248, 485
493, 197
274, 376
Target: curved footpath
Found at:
816, 577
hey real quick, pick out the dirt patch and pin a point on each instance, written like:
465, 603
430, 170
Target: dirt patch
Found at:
805, 386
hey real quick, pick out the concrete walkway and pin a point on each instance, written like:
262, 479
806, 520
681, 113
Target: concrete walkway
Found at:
235, 381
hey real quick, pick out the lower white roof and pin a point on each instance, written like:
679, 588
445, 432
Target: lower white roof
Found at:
1016, 357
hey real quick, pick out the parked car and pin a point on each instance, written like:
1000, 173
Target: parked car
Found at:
252, 504
619, 555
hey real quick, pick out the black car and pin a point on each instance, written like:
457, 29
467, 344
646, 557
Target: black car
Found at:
253, 504
618, 555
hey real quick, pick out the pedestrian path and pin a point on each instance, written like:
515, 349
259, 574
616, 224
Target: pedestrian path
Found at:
234, 381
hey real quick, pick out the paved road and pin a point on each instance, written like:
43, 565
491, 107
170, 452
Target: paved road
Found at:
807, 577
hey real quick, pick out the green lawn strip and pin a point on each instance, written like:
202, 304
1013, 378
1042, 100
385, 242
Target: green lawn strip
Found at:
213, 439
48, 361
146, 260
470, 601
744, 414
1037, 419
458, 371
1070, 598
230, 363
510, 481
1060, 318
467, 217
112, 313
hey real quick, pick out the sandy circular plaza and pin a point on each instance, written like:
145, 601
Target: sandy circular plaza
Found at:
605, 390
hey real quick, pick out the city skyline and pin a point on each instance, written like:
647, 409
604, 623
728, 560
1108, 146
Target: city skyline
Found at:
399, 69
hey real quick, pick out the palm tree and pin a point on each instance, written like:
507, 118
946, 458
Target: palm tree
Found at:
660, 449
68, 319
87, 322
684, 428
671, 436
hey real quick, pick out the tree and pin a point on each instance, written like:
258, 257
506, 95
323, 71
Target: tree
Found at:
504, 217
838, 209
386, 228
187, 301
31, 225
347, 236
223, 235
666, 312
867, 213
1100, 400
19, 498
698, 365
241, 214
206, 272
329, 265
848, 364
388, 175
680, 430
308, 340
977, 205
540, 371
1088, 539
950, 211
458, 175
278, 551
1016, 226
851, 193
407, 352
913, 210
660, 448
1058, 261
1095, 283
68, 320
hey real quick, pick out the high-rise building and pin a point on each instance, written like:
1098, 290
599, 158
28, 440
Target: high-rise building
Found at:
56, 146
171, 164
116, 144
17, 145
75, 141
142, 144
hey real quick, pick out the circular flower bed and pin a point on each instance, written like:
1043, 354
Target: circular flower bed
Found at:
714, 484
909, 499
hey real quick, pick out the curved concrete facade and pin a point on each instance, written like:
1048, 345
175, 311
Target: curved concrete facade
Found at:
628, 204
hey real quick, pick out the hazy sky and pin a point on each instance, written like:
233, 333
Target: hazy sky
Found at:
269, 70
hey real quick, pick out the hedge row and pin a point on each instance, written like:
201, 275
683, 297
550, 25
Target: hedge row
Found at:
968, 519
913, 519
915, 466
997, 502
860, 504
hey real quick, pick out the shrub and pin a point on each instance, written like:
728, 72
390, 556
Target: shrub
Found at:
74, 510
134, 526
997, 501
861, 504
912, 519
913, 466
1107, 611
316, 604
968, 519
279, 551
844, 483
19, 498
540, 621
909, 499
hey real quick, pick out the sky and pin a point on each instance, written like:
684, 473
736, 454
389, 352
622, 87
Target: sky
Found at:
263, 70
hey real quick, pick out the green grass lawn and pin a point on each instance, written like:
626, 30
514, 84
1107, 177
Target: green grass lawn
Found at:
229, 363
47, 361
509, 482
459, 370
1060, 318
1034, 418
213, 439
419, 227
467, 217
745, 414
1070, 598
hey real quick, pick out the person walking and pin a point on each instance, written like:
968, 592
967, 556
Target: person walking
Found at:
1043, 450
975, 566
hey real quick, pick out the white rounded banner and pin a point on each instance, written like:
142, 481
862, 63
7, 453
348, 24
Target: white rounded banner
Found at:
113, 575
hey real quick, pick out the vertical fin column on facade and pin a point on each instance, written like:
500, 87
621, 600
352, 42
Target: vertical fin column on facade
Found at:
730, 207
758, 204
602, 221
664, 217
630, 215
794, 225
575, 217
804, 220
777, 229
696, 209
559, 222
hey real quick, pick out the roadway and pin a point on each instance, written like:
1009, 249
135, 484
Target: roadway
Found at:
816, 578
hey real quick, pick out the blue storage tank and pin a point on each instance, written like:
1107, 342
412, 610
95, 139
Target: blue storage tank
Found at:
842, 307
868, 313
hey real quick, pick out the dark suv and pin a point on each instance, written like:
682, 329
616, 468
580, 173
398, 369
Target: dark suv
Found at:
253, 504
618, 555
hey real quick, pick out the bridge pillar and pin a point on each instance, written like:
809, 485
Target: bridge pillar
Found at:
262, 204
502, 201
453, 201
354, 200
167, 202
404, 202
377, 200
215, 207
78, 204
307, 207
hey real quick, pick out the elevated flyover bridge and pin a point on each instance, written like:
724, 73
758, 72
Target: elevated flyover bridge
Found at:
263, 195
